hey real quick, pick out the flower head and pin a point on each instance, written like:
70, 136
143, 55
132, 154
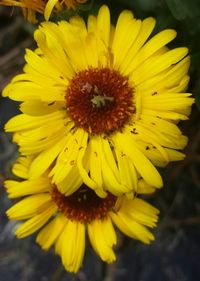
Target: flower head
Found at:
100, 104
67, 218
31, 7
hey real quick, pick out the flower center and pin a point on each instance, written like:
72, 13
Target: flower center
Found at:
83, 205
100, 100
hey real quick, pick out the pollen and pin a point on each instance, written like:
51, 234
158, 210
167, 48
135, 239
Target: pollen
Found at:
100, 100
83, 205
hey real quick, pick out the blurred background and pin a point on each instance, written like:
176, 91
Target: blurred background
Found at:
175, 254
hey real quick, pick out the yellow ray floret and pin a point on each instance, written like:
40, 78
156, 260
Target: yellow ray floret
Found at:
32, 7
101, 104
63, 221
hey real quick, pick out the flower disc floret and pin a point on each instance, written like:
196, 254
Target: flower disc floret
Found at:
83, 205
100, 100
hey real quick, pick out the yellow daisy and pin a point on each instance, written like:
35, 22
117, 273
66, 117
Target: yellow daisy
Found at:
101, 103
65, 220
31, 7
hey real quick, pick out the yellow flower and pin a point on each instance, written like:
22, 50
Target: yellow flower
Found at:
101, 103
31, 7
65, 220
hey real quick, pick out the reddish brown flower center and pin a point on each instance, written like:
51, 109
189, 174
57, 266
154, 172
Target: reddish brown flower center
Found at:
83, 205
99, 100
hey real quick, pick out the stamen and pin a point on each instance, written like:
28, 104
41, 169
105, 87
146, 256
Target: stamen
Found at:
100, 101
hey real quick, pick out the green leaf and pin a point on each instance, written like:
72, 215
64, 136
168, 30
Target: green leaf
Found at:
182, 9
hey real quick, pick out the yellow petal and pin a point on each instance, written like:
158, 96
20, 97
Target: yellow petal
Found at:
167, 79
131, 228
154, 66
123, 41
21, 167
72, 252
103, 24
142, 164
29, 207
68, 158
42, 162
110, 172
25, 122
101, 244
128, 175
35, 107
35, 222
71, 182
18, 189
49, 8
147, 27
48, 235
144, 188
152, 46
140, 211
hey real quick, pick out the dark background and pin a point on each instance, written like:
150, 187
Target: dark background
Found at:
175, 254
